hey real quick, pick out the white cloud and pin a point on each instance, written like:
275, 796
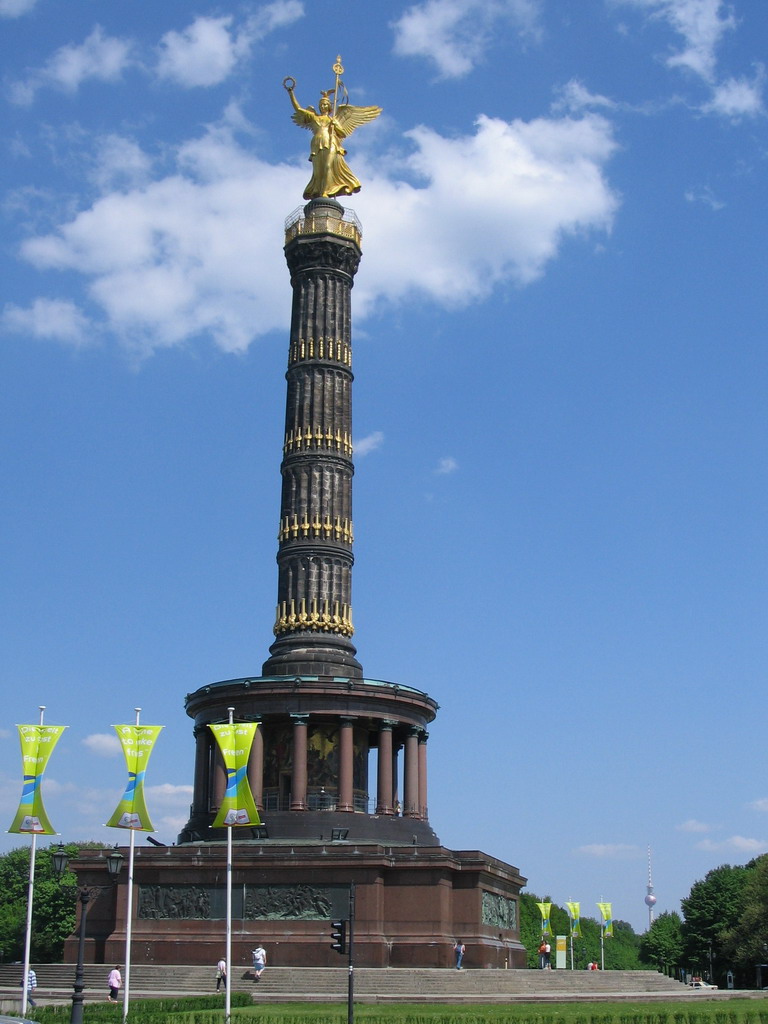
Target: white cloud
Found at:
273, 16
120, 162
738, 97
15, 8
167, 793
455, 34
197, 253
701, 23
704, 195
575, 97
100, 56
524, 186
48, 320
446, 465
609, 850
103, 744
368, 444
760, 805
735, 844
207, 51
692, 825
203, 54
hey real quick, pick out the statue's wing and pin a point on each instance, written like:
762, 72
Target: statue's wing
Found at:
349, 117
304, 118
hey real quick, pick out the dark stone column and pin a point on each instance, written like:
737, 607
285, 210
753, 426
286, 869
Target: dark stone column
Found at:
313, 626
200, 801
423, 813
411, 774
396, 745
346, 764
384, 795
299, 780
219, 778
256, 768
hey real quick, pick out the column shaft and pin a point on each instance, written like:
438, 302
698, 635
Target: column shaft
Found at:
384, 770
423, 776
256, 768
299, 779
346, 765
411, 774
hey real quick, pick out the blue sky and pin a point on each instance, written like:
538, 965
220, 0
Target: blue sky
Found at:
560, 410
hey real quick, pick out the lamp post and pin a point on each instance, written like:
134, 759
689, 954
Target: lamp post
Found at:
85, 894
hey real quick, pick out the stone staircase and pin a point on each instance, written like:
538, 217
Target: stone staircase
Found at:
371, 985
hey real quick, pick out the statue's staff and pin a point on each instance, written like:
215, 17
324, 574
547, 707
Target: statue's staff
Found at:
338, 70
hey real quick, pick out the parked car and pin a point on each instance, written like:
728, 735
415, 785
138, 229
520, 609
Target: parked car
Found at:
698, 983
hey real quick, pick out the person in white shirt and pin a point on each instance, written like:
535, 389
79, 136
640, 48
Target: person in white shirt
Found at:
114, 981
221, 973
259, 961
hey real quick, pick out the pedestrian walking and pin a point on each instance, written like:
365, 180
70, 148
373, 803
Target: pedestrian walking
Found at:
459, 949
259, 961
115, 980
31, 986
221, 974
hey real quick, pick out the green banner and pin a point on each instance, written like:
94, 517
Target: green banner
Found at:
138, 742
574, 909
606, 911
544, 909
37, 743
237, 807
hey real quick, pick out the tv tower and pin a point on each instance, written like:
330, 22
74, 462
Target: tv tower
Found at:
650, 899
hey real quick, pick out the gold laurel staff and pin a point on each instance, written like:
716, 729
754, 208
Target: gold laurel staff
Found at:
338, 70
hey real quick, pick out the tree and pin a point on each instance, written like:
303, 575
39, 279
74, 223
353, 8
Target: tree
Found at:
711, 910
745, 943
53, 907
662, 944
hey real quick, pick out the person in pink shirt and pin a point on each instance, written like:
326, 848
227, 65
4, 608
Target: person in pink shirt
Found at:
114, 981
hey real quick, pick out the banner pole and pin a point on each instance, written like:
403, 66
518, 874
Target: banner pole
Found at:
30, 897
228, 954
129, 913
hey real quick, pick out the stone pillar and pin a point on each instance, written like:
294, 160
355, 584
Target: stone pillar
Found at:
313, 627
219, 778
396, 805
411, 774
423, 737
346, 764
256, 768
299, 779
384, 796
200, 802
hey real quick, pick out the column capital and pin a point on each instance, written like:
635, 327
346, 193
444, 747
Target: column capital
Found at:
299, 719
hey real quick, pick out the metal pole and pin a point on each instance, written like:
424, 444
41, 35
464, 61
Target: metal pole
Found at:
30, 898
129, 914
228, 953
77, 996
351, 947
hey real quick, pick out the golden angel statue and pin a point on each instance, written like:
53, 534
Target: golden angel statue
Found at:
335, 121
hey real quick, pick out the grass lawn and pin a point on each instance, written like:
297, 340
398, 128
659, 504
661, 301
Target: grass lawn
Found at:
701, 1011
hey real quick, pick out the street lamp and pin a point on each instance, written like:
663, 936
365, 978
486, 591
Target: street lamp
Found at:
85, 894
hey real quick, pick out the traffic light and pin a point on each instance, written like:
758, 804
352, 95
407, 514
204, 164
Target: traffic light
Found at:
339, 936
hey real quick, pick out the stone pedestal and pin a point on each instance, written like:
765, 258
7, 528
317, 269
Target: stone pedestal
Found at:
411, 905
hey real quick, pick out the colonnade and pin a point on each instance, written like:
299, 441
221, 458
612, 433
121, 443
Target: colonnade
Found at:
391, 736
